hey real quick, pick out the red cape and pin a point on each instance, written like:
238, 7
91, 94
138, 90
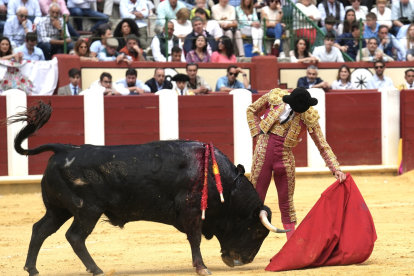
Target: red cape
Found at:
339, 230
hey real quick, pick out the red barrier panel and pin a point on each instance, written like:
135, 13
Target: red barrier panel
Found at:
407, 128
3, 139
131, 119
208, 118
353, 127
66, 126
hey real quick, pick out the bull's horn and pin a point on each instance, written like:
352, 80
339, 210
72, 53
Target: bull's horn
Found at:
268, 225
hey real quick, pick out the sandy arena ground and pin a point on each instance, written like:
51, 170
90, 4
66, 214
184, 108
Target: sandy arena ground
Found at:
146, 248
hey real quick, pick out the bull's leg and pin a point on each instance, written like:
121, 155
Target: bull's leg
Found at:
80, 229
49, 224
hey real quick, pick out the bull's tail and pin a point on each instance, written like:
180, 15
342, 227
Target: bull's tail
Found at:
36, 117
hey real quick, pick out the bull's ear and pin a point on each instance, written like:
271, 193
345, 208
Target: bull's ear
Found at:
240, 168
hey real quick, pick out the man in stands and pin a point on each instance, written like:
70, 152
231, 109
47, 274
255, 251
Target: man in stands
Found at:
327, 29
159, 42
349, 42
333, 8
17, 27
402, 13
132, 49
230, 82
196, 84
378, 80
373, 53
50, 31
73, 87
158, 82
82, 8
135, 86
198, 29
176, 54
371, 26
409, 80
327, 53
107, 87
32, 7
167, 9
136, 10
311, 80
29, 49
388, 42
109, 53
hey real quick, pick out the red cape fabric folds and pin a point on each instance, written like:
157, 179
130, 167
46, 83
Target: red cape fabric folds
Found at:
339, 230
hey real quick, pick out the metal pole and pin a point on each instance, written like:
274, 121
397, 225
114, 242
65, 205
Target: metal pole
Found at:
167, 38
65, 46
264, 37
360, 39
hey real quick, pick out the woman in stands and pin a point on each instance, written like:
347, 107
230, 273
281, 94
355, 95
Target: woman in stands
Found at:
124, 28
300, 23
225, 52
98, 39
345, 27
199, 51
6, 52
301, 52
408, 41
182, 26
211, 26
249, 24
81, 49
273, 13
343, 80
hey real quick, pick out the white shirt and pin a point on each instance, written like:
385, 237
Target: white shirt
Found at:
408, 85
156, 52
178, 91
334, 55
338, 85
15, 31
300, 23
214, 29
383, 19
126, 7
82, 4
32, 6
97, 46
359, 14
138, 83
182, 29
229, 12
96, 86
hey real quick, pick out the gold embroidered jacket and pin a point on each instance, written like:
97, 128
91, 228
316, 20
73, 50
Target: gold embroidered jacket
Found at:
293, 129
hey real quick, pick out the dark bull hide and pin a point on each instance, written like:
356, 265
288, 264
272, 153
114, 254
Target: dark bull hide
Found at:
159, 181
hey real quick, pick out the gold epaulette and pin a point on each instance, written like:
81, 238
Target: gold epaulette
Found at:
276, 96
310, 118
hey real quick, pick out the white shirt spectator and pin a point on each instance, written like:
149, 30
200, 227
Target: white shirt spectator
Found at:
36, 55
332, 10
229, 12
407, 11
96, 86
156, 52
182, 30
214, 29
79, 4
15, 31
97, 46
383, 19
138, 83
338, 85
32, 6
361, 13
126, 7
307, 10
334, 55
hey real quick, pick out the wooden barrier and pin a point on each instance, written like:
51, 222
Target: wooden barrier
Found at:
3, 139
407, 129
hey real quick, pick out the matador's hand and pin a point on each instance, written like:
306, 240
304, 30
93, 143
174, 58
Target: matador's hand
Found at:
340, 175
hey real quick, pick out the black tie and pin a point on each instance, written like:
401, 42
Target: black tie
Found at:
74, 91
182, 92
411, 86
288, 118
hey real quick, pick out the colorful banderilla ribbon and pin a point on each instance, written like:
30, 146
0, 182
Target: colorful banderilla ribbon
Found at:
204, 194
216, 173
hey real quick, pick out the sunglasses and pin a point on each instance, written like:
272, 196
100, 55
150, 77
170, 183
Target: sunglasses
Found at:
379, 67
23, 16
233, 74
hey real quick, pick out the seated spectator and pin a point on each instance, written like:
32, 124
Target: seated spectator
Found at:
196, 84
225, 14
132, 49
383, 13
311, 80
302, 27
98, 39
82, 8
190, 4
167, 8
198, 30
273, 14
349, 42
159, 43
372, 53
158, 82
136, 10
230, 82
179, 83
73, 87
105, 86
409, 80
343, 80
402, 13
371, 26
235, 3
408, 41
333, 8
249, 24
301, 52
388, 43
51, 36
81, 49
199, 51
327, 53
360, 11
378, 80
125, 28
3, 12
111, 54
225, 51
17, 27
6, 50
328, 29
29, 49
200, 4
44, 8
32, 7
176, 54
346, 26
211, 26
410, 55
182, 26
131, 83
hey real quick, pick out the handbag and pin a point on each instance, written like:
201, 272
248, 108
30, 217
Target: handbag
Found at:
402, 19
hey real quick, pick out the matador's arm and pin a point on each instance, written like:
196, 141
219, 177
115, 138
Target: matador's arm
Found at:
253, 111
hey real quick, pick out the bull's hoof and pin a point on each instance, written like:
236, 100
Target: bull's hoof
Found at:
229, 261
32, 271
237, 263
204, 271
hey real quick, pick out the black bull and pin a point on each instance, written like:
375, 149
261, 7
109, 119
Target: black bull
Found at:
159, 181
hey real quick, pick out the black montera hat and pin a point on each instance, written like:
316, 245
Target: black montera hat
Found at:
300, 100
181, 77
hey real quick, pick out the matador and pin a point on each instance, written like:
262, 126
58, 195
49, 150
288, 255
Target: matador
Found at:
287, 117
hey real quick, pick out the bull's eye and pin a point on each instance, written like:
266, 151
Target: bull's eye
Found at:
258, 234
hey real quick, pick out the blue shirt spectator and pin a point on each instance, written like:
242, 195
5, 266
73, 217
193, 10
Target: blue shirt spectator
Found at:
379, 80
29, 49
387, 42
224, 82
349, 42
16, 27
165, 9
32, 6
368, 32
400, 10
234, 3
133, 87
